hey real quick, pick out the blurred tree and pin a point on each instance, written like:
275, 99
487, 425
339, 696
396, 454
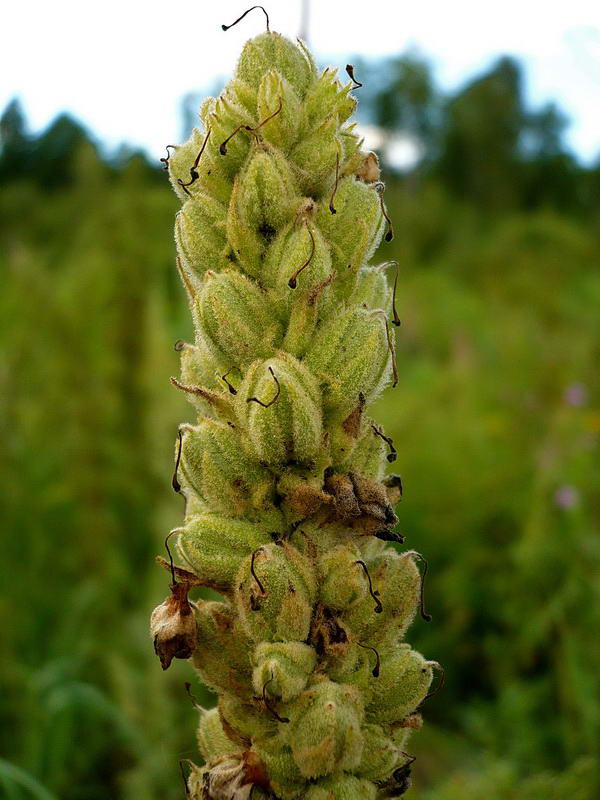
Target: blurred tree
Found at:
479, 147
15, 144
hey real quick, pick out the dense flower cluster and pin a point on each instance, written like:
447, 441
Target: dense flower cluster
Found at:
288, 512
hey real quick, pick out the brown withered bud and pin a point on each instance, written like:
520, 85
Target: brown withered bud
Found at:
369, 171
393, 485
234, 778
373, 499
342, 490
173, 626
352, 423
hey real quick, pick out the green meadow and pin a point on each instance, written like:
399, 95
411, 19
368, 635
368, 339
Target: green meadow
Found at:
496, 420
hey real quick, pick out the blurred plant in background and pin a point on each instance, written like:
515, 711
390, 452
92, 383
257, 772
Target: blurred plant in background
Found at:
496, 421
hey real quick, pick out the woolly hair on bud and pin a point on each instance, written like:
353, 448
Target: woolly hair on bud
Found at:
288, 515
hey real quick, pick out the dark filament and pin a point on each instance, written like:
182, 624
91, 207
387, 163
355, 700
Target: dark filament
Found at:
424, 615
377, 666
268, 705
411, 759
392, 455
332, 208
396, 319
389, 536
392, 353
389, 234
239, 19
350, 71
440, 685
179, 345
188, 689
194, 168
183, 761
244, 127
174, 481
270, 403
229, 386
292, 283
254, 575
165, 161
172, 565
374, 595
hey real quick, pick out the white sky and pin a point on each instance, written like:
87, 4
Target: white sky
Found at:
122, 66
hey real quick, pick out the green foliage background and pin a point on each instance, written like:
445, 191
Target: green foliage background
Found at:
496, 420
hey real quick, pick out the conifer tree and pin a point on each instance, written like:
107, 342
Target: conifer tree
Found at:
288, 513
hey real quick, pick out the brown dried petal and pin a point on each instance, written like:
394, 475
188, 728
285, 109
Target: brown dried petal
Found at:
369, 171
173, 626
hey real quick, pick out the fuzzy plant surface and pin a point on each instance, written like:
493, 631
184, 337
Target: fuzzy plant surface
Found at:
289, 515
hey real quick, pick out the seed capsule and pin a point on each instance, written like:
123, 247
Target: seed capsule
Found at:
403, 684
251, 332
286, 424
325, 731
351, 354
284, 666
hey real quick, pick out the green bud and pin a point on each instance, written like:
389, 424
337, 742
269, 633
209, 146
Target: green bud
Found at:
211, 177
200, 368
221, 655
214, 466
278, 100
381, 755
398, 582
222, 117
316, 156
261, 54
351, 354
341, 787
245, 721
264, 199
327, 96
275, 592
324, 731
298, 259
342, 580
213, 742
214, 546
284, 776
355, 230
282, 668
252, 332
371, 289
278, 405
200, 235
403, 682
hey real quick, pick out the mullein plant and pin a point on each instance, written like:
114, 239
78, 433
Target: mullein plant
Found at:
288, 513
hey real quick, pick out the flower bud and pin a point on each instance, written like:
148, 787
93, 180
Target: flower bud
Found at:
351, 354
324, 732
221, 655
315, 157
264, 198
245, 721
215, 546
341, 787
403, 682
278, 100
282, 668
199, 368
214, 465
371, 289
284, 775
342, 581
398, 581
191, 173
355, 230
327, 96
213, 742
222, 117
381, 754
251, 332
172, 626
278, 405
263, 52
298, 259
200, 235
275, 592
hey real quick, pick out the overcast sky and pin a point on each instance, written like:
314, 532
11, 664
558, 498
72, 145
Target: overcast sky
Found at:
122, 66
